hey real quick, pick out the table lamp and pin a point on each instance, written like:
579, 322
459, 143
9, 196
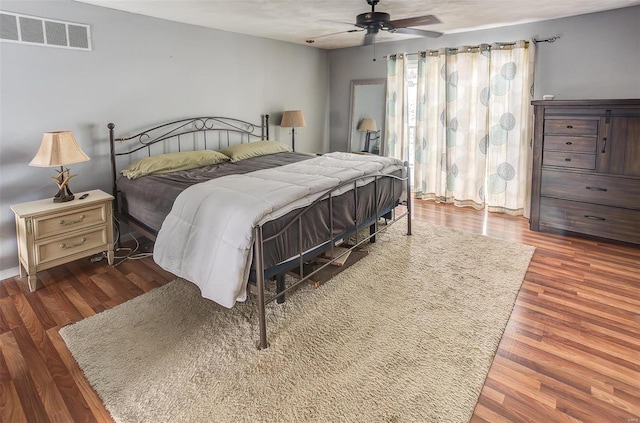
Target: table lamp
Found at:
367, 125
59, 149
293, 119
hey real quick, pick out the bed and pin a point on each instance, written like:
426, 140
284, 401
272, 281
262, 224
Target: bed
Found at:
284, 207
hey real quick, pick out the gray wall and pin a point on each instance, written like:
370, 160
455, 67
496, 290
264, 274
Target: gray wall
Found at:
141, 71
598, 56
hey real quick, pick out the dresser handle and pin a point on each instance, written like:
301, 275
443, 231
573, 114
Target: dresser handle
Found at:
66, 247
568, 143
567, 159
604, 145
596, 189
72, 222
588, 216
570, 126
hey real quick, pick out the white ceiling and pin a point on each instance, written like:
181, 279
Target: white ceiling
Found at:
299, 20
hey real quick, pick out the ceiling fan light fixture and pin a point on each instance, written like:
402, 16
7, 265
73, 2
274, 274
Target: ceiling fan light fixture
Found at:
365, 20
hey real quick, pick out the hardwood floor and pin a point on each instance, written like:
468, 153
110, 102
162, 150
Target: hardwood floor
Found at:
570, 352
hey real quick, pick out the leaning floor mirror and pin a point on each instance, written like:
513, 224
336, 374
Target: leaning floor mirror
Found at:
366, 124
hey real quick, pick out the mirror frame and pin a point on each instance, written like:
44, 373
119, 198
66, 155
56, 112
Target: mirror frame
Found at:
360, 82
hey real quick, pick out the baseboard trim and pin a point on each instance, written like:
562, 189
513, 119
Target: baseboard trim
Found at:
9, 273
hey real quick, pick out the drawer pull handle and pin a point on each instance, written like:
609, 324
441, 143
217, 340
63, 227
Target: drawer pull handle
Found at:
588, 216
570, 126
597, 189
567, 159
66, 247
72, 222
604, 145
568, 143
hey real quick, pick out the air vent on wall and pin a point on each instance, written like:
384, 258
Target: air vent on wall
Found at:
24, 29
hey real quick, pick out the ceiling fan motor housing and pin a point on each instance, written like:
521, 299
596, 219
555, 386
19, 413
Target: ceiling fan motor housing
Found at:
371, 20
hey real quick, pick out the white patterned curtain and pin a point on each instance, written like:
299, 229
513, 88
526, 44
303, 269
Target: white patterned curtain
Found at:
473, 124
509, 152
396, 137
430, 160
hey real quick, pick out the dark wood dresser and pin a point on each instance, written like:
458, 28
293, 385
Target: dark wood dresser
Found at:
586, 168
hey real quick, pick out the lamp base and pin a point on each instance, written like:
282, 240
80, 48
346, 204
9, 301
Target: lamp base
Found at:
367, 140
293, 139
63, 195
62, 179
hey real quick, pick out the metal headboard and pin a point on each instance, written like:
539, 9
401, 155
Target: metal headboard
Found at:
171, 136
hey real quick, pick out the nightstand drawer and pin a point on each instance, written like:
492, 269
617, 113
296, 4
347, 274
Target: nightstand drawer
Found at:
67, 222
61, 247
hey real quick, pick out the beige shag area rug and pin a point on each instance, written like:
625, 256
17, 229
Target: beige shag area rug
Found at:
407, 334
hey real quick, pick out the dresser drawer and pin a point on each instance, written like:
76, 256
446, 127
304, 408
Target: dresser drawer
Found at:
599, 189
66, 246
571, 126
571, 144
69, 221
592, 219
569, 160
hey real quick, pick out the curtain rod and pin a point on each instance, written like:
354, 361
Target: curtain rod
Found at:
547, 40
535, 41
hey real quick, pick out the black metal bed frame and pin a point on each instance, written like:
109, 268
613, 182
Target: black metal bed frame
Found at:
248, 131
177, 130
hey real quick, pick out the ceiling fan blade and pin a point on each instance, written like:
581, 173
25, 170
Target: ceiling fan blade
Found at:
335, 22
415, 21
369, 38
312, 40
420, 32
340, 32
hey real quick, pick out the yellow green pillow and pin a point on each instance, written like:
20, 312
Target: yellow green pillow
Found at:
172, 162
254, 149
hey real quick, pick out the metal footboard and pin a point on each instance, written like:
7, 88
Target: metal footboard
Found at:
303, 255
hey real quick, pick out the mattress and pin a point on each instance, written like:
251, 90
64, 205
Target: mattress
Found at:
149, 199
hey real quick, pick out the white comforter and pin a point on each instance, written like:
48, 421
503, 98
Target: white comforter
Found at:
207, 237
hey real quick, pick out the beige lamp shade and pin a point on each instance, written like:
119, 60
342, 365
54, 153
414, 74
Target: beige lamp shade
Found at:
367, 125
292, 119
58, 149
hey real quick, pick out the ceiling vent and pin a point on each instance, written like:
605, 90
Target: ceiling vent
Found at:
24, 29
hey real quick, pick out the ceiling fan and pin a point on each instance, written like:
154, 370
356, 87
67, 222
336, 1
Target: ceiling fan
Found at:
372, 22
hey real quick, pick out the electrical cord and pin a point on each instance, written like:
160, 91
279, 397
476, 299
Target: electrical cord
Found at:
132, 253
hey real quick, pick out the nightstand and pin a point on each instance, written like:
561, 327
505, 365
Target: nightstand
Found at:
51, 234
